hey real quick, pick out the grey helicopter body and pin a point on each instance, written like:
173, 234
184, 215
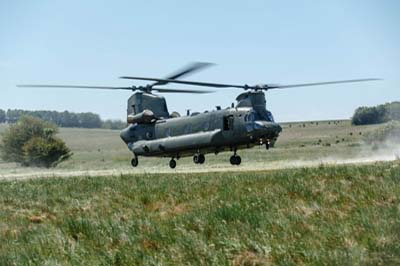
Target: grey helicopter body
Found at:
153, 131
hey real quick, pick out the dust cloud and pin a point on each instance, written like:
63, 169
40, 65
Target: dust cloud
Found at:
388, 150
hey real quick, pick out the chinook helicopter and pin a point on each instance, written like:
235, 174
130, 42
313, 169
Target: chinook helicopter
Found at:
153, 131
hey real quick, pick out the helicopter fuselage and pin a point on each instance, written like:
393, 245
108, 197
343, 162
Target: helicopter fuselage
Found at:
209, 132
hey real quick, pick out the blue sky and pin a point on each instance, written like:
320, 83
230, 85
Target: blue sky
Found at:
95, 42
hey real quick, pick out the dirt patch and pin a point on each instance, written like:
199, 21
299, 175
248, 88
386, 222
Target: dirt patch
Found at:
249, 258
264, 166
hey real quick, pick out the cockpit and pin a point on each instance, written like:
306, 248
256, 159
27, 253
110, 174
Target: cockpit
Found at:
254, 116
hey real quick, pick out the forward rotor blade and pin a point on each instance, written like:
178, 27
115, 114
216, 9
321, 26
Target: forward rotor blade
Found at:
195, 83
320, 83
190, 68
165, 90
75, 87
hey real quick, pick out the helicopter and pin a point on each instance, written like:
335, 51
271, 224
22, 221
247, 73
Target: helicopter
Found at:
154, 132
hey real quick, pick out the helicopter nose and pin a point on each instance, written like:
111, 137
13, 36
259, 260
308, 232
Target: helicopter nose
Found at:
278, 128
270, 128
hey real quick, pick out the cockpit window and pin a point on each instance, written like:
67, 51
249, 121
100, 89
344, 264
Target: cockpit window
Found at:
270, 117
253, 116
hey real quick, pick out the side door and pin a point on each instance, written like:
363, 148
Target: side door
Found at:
228, 127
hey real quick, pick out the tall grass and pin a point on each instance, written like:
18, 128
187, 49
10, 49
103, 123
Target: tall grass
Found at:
342, 215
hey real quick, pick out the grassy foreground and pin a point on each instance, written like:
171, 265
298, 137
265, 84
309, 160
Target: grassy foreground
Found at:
337, 215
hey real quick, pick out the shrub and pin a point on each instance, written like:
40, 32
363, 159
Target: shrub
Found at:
31, 141
377, 114
45, 152
369, 115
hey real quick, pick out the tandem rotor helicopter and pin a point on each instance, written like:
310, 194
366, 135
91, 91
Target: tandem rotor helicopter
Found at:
153, 131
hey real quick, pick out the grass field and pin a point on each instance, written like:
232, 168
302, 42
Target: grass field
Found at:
313, 210
336, 215
308, 143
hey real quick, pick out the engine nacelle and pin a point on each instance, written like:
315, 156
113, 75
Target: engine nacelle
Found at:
145, 117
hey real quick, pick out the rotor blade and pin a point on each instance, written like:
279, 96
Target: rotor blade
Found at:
75, 87
319, 83
180, 91
196, 83
222, 85
191, 68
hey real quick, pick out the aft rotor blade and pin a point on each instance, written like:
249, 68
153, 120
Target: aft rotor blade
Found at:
195, 83
165, 90
319, 83
75, 87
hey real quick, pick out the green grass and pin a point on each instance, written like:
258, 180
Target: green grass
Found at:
329, 215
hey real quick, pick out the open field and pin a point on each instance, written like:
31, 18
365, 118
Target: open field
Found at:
335, 215
316, 208
101, 152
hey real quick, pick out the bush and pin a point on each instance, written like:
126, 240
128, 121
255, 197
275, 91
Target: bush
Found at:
377, 114
45, 152
369, 115
31, 141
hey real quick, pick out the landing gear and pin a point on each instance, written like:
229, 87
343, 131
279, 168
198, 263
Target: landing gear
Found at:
134, 161
235, 160
199, 158
172, 163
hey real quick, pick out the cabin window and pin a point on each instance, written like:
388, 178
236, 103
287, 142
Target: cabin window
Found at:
168, 132
228, 122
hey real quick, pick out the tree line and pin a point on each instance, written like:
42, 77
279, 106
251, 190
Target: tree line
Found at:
62, 119
376, 114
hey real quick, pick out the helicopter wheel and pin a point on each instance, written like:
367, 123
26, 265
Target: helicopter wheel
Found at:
267, 145
196, 159
134, 162
201, 158
235, 160
172, 163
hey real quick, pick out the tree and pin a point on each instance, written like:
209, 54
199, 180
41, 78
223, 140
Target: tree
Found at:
90, 120
370, 115
14, 115
113, 124
32, 141
2, 116
377, 114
